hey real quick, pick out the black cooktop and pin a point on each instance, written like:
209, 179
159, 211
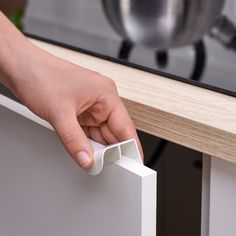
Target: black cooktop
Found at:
82, 25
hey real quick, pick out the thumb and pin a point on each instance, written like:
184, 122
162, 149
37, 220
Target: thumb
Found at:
74, 139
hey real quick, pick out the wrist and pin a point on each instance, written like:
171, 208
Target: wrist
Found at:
15, 53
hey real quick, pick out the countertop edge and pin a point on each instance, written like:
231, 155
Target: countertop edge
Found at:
194, 117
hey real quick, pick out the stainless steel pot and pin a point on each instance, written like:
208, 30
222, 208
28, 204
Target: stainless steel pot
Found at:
162, 23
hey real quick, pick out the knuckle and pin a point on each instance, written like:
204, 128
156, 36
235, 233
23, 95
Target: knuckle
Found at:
124, 131
111, 83
128, 130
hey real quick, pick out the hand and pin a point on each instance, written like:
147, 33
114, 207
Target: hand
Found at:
77, 102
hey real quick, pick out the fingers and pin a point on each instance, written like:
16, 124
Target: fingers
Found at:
122, 126
74, 139
96, 135
86, 131
107, 134
86, 119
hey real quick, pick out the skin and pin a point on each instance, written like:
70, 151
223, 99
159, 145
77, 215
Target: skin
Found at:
77, 102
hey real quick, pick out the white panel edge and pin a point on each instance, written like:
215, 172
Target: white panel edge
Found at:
149, 205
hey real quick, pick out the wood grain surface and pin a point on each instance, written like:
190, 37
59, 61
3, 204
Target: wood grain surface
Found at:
185, 114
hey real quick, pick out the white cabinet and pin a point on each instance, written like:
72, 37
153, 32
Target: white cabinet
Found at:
222, 206
43, 192
218, 197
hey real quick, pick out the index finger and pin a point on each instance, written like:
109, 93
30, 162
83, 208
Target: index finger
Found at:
122, 126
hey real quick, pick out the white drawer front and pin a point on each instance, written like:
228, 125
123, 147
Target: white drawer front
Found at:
43, 192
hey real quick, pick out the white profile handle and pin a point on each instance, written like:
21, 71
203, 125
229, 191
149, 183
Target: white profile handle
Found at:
104, 155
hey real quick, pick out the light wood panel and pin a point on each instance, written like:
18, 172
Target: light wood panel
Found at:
191, 116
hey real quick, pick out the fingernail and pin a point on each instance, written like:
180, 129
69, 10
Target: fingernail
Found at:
83, 158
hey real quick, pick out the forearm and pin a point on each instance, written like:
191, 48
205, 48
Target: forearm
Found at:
14, 53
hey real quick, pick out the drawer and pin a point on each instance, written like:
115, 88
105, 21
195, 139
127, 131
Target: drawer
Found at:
43, 192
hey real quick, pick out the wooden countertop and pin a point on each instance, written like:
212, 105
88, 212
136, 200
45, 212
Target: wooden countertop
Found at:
188, 115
